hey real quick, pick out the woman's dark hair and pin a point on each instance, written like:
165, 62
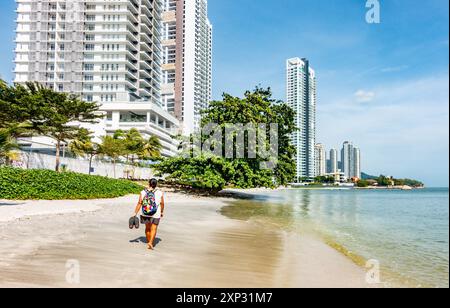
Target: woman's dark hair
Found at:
153, 183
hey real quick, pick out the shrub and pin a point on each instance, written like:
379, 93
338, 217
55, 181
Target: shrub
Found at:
19, 184
363, 183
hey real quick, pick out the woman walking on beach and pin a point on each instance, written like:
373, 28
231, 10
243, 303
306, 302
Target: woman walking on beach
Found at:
151, 205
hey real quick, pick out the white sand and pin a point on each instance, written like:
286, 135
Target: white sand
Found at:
198, 247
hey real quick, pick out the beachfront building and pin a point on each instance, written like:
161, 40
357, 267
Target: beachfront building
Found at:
301, 96
187, 61
321, 160
351, 161
103, 51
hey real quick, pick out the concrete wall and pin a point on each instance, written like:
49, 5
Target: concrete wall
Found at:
42, 161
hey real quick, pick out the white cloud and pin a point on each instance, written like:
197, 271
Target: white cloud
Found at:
403, 132
363, 96
394, 69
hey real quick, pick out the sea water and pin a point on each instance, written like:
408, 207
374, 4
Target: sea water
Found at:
407, 232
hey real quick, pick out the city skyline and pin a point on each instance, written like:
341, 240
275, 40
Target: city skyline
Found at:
388, 99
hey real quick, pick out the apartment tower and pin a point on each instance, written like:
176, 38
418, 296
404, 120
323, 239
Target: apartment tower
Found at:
301, 96
107, 51
321, 160
333, 166
351, 160
187, 61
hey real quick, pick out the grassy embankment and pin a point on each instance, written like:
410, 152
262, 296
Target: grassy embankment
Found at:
19, 184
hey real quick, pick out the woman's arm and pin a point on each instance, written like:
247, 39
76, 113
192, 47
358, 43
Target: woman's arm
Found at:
162, 205
138, 206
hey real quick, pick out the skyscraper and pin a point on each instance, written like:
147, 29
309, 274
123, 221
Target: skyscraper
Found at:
301, 96
187, 60
103, 51
321, 160
351, 160
346, 159
334, 168
356, 163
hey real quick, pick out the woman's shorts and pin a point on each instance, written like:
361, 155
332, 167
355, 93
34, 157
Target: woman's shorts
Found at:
149, 220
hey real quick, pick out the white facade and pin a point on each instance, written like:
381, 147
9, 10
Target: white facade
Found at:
357, 163
105, 51
301, 96
321, 160
351, 160
187, 61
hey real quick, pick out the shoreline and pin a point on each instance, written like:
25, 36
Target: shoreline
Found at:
197, 247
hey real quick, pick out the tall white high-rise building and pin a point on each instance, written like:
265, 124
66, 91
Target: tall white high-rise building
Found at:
321, 160
356, 163
107, 51
187, 61
351, 160
301, 96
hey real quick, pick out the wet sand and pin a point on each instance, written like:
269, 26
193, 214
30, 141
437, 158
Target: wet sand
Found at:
197, 247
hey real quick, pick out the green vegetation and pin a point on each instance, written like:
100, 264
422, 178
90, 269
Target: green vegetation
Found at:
324, 180
363, 183
44, 112
19, 184
130, 145
7, 146
384, 181
213, 173
408, 182
35, 110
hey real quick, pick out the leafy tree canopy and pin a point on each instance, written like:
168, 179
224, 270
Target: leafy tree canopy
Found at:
215, 172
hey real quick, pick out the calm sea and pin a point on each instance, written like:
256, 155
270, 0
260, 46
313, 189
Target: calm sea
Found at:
406, 231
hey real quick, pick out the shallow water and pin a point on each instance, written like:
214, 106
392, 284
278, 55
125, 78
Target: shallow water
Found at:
406, 231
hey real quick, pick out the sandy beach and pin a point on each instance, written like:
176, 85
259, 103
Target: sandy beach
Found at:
197, 247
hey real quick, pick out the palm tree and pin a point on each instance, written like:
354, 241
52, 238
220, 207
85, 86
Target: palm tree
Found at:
7, 146
133, 142
84, 146
151, 149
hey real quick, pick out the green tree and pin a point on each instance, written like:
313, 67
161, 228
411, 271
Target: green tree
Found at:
113, 148
60, 115
255, 108
151, 149
7, 146
384, 181
83, 146
363, 183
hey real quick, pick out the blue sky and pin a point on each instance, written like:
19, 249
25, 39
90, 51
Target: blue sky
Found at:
384, 87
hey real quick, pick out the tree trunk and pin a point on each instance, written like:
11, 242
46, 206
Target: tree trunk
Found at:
114, 167
90, 164
58, 154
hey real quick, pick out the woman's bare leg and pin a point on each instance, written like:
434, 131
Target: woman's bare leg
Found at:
153, 231
148, 235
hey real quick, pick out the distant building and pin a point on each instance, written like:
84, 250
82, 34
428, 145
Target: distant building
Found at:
357, 163
320, 160
333, 165
351, 160
301, 96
